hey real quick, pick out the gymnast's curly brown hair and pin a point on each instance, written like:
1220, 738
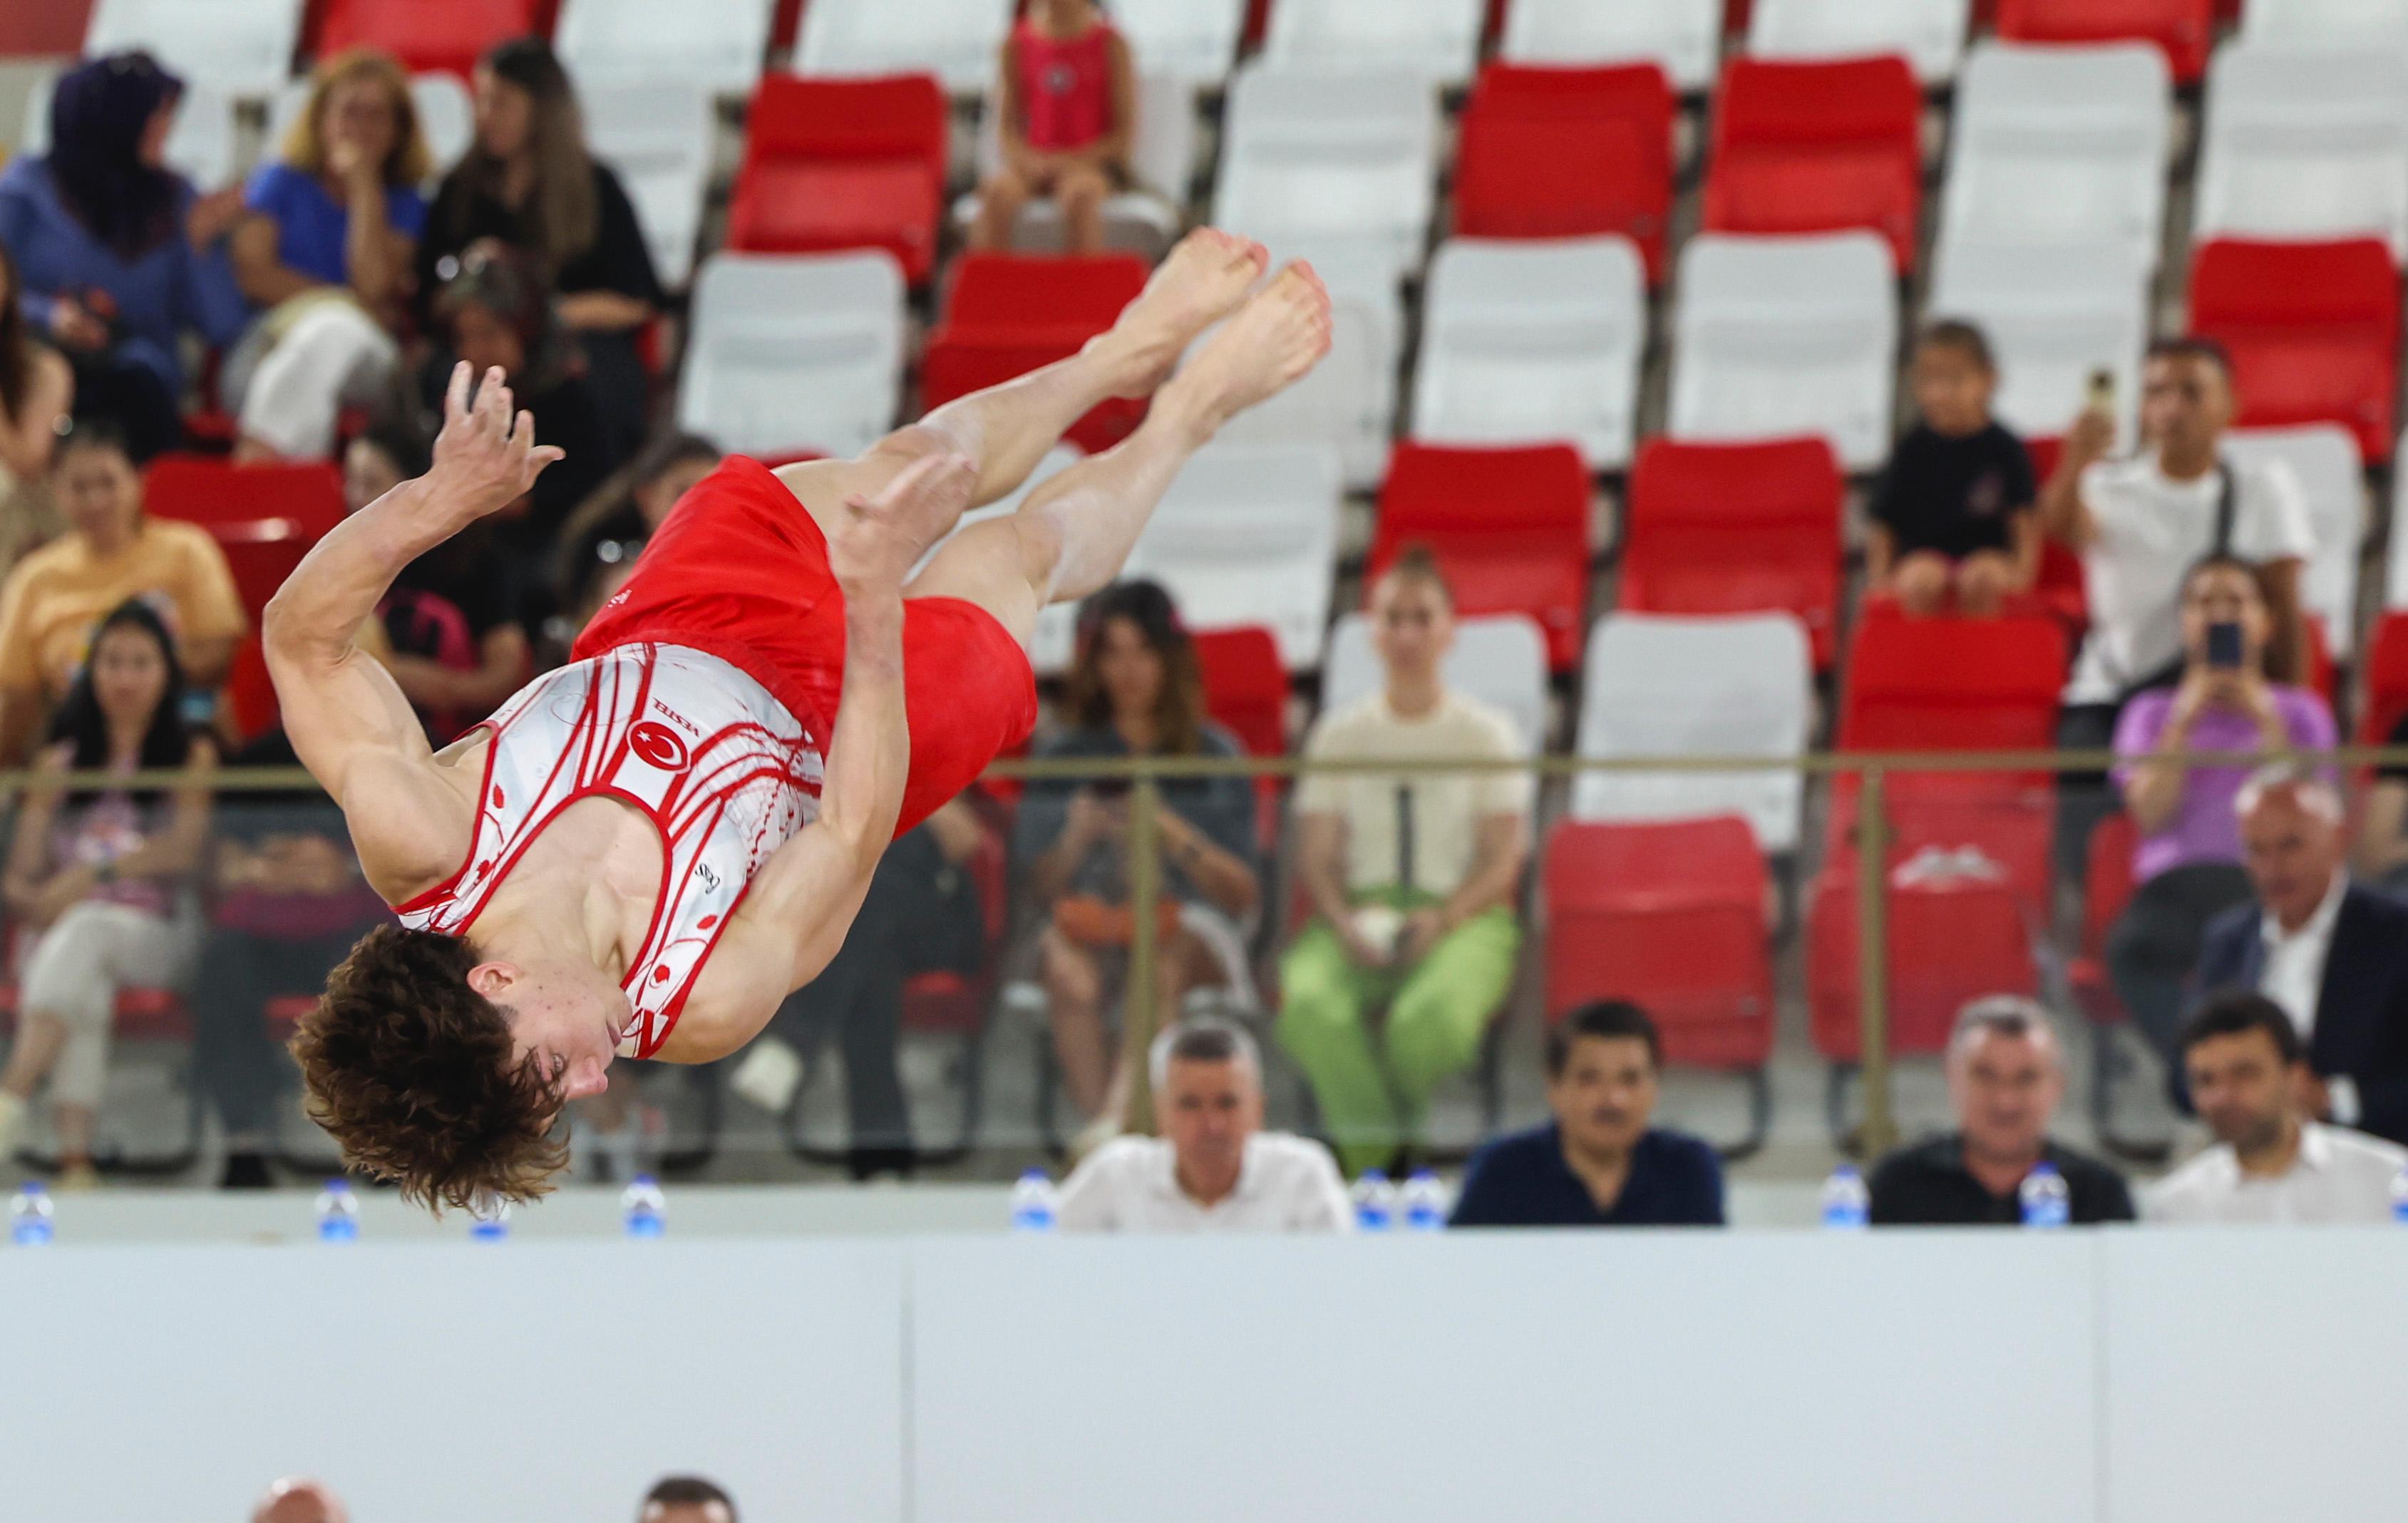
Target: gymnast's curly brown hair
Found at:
410, 1070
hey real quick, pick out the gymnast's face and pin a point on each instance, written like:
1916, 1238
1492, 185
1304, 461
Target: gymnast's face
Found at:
568, 1013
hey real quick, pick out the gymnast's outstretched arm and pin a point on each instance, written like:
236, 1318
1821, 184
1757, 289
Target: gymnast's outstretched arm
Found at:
347, 719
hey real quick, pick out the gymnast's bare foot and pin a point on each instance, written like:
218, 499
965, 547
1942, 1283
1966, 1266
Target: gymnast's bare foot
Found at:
1202, 281
1276, 338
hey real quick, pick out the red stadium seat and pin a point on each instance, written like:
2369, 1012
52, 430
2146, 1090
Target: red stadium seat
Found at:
843, 163
1008, 314
207, 490
1509, 526
1670, 915
261, 555
1245, 688
1819, 148
2184, 28
1736, 528
2107, 889
430, 36
2386, 681
1558, 153
2312, 329
1951, 939
51, 29
251, 704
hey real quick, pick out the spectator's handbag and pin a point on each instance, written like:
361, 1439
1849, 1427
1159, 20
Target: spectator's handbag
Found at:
1089, 921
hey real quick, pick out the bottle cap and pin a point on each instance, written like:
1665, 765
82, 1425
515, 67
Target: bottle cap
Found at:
648, 1181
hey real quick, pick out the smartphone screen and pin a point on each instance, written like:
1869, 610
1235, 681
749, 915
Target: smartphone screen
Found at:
2224, 644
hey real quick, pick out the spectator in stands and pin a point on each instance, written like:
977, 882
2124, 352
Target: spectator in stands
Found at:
2333, 955
528, 181
287, 902
1411, 877
114, 250
686, 1498
37, 389
1134, 690
2271, 1162
2006, 1075
111, 550
452, 636
101, 878
2187, 865
496, 312
922, 914
324, 253
1067, 93
2382, 849
1600, 1163
1213, 1169
599, 543
293, 1499
2139, 524
1953, 523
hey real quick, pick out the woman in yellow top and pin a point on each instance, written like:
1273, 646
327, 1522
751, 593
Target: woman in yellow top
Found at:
112, 551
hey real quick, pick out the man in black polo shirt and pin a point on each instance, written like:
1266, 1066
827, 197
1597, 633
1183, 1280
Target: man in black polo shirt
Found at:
1597, 1163
2006, 1074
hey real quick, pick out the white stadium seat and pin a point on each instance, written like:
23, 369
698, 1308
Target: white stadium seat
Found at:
711, 44
1431, 39
1501, 660
1195, 40
659, 139
237, 47
2325, 460
1673, 687
446, 115
2327, 23
2306, 144
1323, 156
2061, 145
1527, 342
1683, 37
1143, 219
2054, 316
794, 352
1346, 401
1928, 34
1248, 535
957, 40
1779, 336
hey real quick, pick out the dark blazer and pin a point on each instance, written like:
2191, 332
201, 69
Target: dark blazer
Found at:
2362, 1012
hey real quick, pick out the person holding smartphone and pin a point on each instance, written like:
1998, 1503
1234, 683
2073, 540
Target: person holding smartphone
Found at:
2187, 864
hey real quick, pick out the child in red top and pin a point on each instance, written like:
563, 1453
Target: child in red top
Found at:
1069, 102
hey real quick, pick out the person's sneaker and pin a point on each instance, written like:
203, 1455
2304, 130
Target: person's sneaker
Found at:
246, 1171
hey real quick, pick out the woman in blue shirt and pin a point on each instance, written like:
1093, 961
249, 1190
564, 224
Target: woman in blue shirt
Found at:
323, 250
113, 249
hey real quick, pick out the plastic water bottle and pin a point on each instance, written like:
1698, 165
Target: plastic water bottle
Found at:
338, 1212
2046, 1201
489, 1221
1847, 1203
1424, 1202
1375, 1202
2399, 1196
645, 1209
29, 1216
1032, 1203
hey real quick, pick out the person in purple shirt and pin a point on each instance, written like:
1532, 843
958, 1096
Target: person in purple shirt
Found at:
1599, 1162
2187, 864
324, 250
115, 251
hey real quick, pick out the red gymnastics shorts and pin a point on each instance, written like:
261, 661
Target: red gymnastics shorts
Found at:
739, 570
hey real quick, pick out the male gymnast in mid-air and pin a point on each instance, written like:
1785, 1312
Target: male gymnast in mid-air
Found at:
643, 852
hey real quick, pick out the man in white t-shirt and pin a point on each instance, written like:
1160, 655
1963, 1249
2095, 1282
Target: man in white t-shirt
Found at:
2139, 524
2270, 1163
1213, 1169
1411, 877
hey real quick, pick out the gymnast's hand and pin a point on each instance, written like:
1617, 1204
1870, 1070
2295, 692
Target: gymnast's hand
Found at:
483, 461
880, 539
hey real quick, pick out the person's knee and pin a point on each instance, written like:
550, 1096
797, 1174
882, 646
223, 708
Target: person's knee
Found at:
1435, 1029
1081, 190
1983, 582
1920, 582
1069, 974
1315, 1002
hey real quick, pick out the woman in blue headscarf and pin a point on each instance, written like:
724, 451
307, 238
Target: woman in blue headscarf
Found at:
115, 251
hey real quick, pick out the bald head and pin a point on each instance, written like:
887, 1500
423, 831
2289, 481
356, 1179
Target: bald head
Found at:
2291, 840
295, 1500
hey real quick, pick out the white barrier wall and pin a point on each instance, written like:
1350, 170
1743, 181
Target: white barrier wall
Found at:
2114, 1377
